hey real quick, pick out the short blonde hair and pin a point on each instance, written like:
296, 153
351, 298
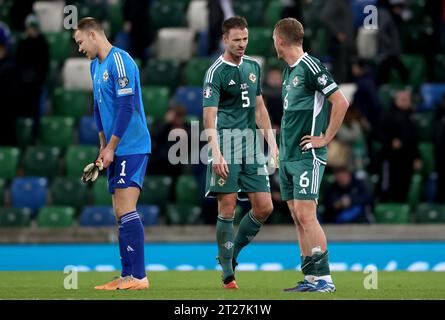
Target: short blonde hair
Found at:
291, 30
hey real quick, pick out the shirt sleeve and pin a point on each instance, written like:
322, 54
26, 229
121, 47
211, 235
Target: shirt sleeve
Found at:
123, 72
319, 78
211, 90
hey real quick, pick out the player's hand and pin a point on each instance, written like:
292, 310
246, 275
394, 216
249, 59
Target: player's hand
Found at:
91, 171
106, 156
312, 142
220, 166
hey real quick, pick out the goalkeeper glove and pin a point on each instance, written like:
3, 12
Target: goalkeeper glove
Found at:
91, 171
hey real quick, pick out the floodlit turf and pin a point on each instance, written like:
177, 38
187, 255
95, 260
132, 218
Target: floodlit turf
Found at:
258, 285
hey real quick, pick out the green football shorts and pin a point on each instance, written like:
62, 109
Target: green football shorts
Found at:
300, 179
242, 178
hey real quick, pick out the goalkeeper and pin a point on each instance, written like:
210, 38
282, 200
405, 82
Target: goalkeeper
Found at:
124, 144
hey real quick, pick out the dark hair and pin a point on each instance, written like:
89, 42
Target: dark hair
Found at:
235, 22
291, 30
89, 23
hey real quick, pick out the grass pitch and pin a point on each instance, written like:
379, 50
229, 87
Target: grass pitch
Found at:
206, 285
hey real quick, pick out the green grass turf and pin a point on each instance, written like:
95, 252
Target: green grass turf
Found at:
191, 285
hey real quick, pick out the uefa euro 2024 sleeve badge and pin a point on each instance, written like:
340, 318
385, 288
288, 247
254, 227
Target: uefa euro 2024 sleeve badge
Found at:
123, 81
207, 93
323, 79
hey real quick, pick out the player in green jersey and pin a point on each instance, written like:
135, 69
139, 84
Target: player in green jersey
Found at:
308, 92
233, 108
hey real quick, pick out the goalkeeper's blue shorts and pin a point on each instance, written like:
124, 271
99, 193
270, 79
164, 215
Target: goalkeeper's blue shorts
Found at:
127, 171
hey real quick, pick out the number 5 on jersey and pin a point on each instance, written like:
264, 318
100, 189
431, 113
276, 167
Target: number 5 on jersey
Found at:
245, 97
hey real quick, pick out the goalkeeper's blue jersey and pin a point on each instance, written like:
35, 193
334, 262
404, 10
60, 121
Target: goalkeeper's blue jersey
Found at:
118, 76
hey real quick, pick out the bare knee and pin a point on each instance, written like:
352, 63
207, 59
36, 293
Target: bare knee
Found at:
226, 209
124, 201
306, 214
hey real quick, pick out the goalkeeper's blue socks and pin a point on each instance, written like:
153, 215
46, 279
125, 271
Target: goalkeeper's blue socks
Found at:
133, 236
125, 259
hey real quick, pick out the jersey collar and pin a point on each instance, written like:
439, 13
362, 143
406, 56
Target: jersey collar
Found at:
299, 59
230, 63
113, 48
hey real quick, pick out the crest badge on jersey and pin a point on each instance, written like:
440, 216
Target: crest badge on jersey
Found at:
221, 182
323, 79
252, 77
123, 82
207, 93
295, 81
106, 76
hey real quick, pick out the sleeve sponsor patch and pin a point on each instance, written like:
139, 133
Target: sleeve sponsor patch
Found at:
125, 91
329, 88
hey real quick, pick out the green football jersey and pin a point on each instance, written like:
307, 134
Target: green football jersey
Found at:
306, 86
233, 89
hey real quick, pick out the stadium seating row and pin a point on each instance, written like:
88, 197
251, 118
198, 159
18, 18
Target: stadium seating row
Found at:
36, 192
100, 216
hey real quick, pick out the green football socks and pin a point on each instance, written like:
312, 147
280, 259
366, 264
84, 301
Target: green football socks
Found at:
247, 230
224, 238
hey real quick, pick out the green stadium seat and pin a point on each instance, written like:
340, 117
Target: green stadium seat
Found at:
59, 45
183, 214
168, 14
195, 70
55, 217
416, 66
15, 217
101, 196
56, 131
9, 160
425, 127
156, 190
426, 150
77, 157
392, 213
415, 191
273, 13
253, 11
72, 103
159, 72
430, 213
260, 42
24, 132
41, 161
156, 101
68, 192
187, 191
